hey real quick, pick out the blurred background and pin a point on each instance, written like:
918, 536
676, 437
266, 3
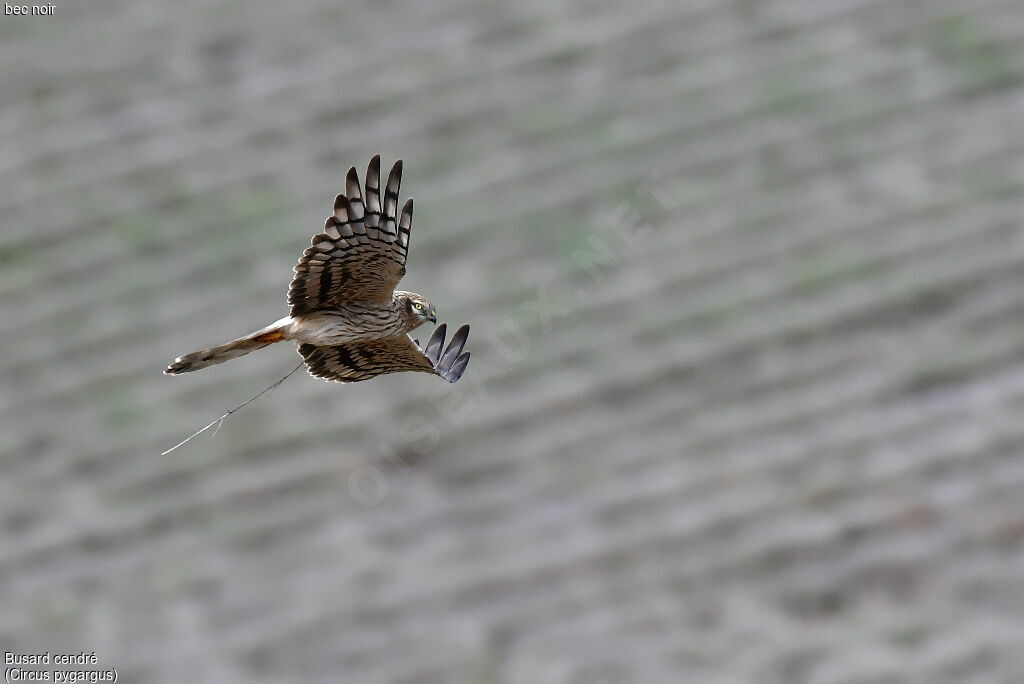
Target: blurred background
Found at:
745, 279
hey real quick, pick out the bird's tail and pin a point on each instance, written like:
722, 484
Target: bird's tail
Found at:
225, 352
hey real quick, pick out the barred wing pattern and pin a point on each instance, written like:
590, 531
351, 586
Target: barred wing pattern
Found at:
356, 361
360, 256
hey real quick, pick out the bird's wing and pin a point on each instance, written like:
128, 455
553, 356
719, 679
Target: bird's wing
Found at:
356, 361
361, 254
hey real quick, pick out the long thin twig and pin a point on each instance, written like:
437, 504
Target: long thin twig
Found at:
220, 421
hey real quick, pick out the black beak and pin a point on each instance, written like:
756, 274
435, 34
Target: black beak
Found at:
433, 317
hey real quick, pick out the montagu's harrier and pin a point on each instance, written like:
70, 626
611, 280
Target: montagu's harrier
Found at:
349, 322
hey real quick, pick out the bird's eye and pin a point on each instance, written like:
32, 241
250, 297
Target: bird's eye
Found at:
417, 306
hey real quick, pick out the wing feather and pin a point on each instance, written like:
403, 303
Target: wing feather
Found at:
357, 361
358, 257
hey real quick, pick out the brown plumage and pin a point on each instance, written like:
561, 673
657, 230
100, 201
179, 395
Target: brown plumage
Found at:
348, 320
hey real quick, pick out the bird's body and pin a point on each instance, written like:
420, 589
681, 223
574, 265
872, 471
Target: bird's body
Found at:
348, 320
353, 322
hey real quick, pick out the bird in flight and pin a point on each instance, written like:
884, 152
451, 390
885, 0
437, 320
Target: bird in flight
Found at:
347, 318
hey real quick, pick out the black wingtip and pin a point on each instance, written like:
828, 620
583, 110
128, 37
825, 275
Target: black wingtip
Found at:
353, 176
458, 368
455, 346
435, 343
452, 363
395, 177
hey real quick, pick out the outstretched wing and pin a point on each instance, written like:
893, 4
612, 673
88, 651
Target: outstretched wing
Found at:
356, 361
360, 256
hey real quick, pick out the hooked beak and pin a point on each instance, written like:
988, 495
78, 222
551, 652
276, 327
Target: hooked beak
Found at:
433, 316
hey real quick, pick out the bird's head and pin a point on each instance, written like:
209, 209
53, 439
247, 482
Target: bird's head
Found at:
418, 309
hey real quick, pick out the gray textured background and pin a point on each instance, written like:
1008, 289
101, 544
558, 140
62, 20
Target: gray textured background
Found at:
774, 436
